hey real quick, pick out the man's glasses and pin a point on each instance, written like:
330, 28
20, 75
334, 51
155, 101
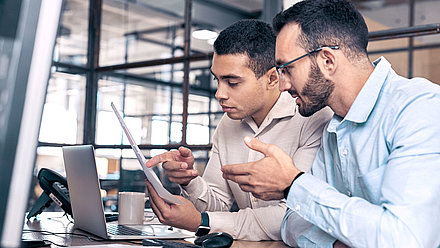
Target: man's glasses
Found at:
282, 69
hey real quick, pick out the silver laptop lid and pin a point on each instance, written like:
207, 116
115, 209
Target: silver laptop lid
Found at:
84, 189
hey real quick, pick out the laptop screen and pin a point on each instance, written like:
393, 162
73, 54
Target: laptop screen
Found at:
84, 189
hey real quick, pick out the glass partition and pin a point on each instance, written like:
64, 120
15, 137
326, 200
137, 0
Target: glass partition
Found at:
63, 112
140, 30
71, 43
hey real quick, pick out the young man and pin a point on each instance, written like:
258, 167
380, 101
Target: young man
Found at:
375, 179
243, 64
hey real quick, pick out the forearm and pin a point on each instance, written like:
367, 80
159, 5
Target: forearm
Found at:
250, 224
359, 223
297, 232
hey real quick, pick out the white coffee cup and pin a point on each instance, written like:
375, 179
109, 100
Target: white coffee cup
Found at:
131, 208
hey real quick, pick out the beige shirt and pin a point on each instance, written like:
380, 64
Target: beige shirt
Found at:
298, 136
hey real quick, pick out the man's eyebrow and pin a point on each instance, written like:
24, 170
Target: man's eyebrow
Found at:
280, 62
231, 76
228, 76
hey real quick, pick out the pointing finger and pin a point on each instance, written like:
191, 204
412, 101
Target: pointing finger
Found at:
185, 152
159, 159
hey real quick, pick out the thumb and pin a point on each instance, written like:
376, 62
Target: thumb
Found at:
257, 145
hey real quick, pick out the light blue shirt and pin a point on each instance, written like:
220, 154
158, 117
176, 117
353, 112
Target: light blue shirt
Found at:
375, 181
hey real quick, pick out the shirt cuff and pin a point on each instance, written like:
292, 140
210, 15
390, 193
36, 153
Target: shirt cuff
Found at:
311, 192
315, 237
300, 193
307, 197
221, 222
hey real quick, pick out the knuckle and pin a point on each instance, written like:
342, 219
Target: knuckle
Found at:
258, 193
252, 169
161, 219
271, 148
166, 215
169, 175
242, 187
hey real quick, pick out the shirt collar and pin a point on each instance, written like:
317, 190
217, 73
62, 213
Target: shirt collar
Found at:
367, 97
285, 106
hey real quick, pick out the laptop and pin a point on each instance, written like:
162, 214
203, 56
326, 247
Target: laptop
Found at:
87, 205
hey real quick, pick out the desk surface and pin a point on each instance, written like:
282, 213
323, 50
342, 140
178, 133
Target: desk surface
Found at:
55, 222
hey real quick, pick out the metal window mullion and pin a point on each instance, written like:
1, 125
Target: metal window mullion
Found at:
94, 34
187, 51
411, 40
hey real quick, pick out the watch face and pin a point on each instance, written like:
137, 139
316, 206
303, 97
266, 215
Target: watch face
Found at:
202, 230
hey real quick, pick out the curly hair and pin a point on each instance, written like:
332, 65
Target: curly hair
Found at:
253, 38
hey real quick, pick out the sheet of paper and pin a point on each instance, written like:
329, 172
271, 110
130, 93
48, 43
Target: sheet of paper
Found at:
151, 176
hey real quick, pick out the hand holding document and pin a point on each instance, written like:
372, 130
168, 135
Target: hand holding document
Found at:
151, 176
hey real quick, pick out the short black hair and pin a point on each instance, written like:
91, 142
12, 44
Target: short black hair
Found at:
326, 23
253, 38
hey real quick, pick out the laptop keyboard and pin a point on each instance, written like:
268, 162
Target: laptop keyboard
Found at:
125, 230
167, 243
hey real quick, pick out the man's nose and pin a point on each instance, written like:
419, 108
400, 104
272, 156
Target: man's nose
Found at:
284, 85
221, 92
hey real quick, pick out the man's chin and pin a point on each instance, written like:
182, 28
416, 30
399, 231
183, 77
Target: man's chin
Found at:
309, 111
235, 116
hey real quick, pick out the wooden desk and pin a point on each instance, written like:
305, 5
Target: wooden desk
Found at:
55, 222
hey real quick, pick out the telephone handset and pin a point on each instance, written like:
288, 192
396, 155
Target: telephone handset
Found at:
55, 190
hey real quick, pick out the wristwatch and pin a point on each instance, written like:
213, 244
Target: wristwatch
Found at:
203, 229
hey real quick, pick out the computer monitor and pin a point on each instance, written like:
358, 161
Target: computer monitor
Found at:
27, 36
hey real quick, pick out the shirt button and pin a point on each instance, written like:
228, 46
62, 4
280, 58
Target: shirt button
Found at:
345, 152
255, 199
297, 208
329, 230
349, 193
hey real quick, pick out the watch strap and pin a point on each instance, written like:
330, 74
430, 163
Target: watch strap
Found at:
204, 228
205, 219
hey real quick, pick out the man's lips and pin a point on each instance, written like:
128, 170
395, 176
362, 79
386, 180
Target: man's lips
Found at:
293, 93
226, 108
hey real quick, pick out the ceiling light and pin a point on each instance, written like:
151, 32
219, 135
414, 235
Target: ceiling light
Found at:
204, 34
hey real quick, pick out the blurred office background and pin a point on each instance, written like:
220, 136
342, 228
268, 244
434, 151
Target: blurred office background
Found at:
152, 59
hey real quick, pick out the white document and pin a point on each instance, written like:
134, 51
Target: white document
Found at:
151, 176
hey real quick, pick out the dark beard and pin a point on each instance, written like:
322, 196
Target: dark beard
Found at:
316, 91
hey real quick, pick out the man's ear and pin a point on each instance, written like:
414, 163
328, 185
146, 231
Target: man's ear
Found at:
272, 78
327, 61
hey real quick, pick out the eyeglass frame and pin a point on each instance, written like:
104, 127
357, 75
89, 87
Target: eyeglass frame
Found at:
336, 47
